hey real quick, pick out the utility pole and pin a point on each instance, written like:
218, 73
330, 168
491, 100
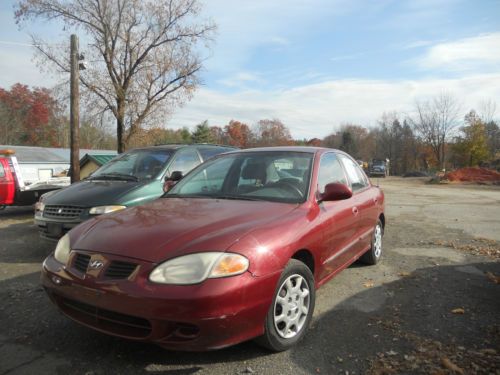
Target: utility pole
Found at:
74, 111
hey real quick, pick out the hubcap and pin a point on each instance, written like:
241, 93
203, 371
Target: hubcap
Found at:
377, 245
292, 306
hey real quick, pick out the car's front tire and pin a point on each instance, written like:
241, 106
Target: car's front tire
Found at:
292, 308
373, 255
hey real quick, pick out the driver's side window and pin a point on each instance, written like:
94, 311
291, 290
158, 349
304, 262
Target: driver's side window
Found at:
330, 171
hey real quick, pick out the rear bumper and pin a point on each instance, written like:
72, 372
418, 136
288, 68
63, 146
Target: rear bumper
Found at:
211, 315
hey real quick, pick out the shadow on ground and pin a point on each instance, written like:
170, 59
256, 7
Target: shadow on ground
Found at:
388, 325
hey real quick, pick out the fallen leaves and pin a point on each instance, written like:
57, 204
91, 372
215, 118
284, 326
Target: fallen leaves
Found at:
368, 284
458, 310
476, 246
451, 366
493, 278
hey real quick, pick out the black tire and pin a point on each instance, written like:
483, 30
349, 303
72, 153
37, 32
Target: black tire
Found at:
372, 256
272, 338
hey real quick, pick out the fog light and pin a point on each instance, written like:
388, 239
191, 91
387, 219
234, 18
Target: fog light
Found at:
56, 280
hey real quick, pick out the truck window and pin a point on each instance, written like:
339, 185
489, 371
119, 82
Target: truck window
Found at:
2, 170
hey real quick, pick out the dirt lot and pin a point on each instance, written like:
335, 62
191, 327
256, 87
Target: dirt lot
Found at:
431, 306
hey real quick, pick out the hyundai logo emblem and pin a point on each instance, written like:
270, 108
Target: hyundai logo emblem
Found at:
59, 211
95, 264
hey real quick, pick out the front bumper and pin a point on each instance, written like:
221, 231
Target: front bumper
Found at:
211, 315
54, 229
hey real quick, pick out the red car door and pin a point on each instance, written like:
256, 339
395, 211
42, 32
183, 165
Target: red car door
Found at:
338, 220
7, 183
363, 201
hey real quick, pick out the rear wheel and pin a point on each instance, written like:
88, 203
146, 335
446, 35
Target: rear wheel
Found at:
292, 308
373, 255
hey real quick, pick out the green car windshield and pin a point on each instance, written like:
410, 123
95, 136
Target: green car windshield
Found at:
136, 165
279, 176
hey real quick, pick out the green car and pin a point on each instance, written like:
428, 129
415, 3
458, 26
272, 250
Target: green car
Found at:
130, 179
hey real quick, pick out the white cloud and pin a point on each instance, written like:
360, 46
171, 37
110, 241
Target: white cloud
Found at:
315, 110
475, 53
418, 44
240, 79
279, 40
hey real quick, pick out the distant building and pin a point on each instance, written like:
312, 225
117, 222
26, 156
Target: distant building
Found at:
91, 162
39, 164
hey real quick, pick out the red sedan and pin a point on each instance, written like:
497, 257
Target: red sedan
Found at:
234, 251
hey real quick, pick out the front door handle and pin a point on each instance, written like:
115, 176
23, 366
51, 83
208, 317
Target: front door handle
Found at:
355, 210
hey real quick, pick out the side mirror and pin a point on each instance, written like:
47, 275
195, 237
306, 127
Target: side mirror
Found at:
175, 176
335, 192
169, 183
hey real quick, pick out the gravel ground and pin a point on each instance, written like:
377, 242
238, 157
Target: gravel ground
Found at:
431, 306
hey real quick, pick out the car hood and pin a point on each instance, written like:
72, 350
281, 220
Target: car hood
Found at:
92, 193
169, 227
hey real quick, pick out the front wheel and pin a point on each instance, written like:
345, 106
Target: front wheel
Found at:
291, 310
373, 255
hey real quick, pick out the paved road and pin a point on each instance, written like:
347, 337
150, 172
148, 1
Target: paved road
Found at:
428, 306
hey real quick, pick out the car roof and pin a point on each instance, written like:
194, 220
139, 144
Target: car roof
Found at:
307, 149
177, 146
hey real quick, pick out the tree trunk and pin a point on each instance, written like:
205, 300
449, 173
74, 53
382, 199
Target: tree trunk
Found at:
120, 126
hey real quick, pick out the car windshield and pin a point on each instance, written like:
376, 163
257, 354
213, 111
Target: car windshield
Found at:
136, 165
279, 176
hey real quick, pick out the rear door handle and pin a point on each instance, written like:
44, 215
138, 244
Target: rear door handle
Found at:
355, 210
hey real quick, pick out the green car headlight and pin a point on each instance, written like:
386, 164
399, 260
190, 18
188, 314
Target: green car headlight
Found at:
99, 210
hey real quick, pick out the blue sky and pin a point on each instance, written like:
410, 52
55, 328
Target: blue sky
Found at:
316, 64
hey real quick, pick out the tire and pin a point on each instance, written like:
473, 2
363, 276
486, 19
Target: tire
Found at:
373, 255
282, 334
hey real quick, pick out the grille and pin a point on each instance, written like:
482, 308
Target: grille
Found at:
81, 262
66, 212
109, 321
120, 270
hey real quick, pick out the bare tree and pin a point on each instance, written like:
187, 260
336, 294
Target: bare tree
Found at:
487, 110
142, 53
435, 121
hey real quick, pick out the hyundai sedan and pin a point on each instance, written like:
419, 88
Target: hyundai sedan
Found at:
234, 251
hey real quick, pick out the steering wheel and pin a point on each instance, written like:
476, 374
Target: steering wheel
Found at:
288, 185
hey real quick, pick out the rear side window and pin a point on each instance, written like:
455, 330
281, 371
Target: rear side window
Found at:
330, 171
208, 152
2, 170
354, 173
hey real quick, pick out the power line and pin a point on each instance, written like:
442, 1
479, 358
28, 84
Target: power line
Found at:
30, 44
17, 43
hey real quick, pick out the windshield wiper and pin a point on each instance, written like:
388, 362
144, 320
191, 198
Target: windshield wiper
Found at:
115, 176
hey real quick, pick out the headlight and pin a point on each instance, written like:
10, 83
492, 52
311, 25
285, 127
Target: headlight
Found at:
62, 250
39, 206
194, 268
105, 209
